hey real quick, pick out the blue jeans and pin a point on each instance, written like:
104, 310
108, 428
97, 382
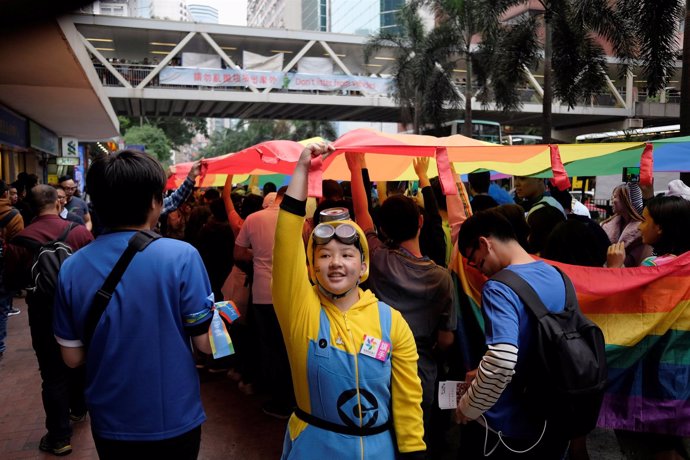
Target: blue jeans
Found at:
5, 305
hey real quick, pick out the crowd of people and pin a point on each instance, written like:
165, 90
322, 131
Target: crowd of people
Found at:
349, 316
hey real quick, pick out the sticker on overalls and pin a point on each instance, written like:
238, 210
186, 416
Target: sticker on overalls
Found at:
376, 348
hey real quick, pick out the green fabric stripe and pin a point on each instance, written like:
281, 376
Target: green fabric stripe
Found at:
675, 349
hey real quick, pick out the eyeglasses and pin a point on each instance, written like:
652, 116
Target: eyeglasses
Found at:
70, 188
345, 233
62, 198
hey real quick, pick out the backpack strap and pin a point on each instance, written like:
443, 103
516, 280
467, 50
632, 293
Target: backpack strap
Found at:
8, 217
529, 296
137, 243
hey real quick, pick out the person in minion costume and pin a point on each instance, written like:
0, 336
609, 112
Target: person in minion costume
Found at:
353, 358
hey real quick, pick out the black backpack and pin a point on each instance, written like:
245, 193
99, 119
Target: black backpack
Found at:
48, 258
566, 372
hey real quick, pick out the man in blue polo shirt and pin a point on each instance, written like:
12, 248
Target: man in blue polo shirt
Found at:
142, 386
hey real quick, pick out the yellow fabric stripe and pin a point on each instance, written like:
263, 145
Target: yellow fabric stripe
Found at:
628, 329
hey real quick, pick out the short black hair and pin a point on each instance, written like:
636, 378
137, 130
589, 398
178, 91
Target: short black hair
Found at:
218, 210
331, 190
122, 186
516, 217
41, 197
269, 187
480, 181
399, 219
211, 194
542, 222
672, 215
251, 204
484, 224
65, 178
3, 187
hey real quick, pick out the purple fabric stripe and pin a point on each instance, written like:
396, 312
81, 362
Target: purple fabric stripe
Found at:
640, 414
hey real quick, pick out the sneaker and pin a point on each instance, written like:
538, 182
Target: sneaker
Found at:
13, 311
276, 410
59, 448
76, 418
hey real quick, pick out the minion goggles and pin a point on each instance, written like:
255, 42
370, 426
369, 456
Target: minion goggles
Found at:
325, 232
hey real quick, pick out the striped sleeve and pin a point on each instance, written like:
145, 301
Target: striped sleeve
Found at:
493, 375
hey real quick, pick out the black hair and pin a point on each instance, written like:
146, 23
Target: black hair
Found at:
269, 187
479, 181
250, 205
484, 224
41, 197
574, 242
331, 190
281, 191
438, 193
3, 187
482, 203
515, 215
672, 215
211, 194
123, 185
64, 178
541, 223
396, 187
399, 219
218, 211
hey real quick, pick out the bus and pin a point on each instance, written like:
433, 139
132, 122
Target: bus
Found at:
521, 139
483, 130
631, 135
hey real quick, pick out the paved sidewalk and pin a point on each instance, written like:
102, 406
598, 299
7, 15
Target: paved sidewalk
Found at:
236, 428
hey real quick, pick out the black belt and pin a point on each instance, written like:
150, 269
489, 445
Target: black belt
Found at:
342, 429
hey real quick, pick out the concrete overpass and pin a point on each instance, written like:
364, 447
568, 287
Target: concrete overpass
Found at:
76, 74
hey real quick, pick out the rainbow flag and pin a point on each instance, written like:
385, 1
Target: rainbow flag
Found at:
644, 313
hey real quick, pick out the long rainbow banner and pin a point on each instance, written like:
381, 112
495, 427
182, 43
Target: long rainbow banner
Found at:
389, 157
644, 313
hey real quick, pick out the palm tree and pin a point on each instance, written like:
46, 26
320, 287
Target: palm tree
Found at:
574, 63
460, 20
311, 128
423, 69
685, 78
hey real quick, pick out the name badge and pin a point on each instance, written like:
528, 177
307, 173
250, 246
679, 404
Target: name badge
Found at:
375, 348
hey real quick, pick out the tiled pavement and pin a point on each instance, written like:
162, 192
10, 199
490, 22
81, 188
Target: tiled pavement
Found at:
236, 428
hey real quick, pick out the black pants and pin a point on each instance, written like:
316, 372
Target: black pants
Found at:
62, 387
275, 367
183, 447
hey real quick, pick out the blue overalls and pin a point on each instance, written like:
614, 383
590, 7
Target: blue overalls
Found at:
342, 385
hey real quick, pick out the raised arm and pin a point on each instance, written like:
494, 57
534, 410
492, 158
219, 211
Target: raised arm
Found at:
291, 287
355, 161
234, 218
179, 196
458, 206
